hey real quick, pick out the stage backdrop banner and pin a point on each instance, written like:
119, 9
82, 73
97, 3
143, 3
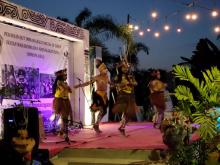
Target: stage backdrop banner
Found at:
21, 47
29, 59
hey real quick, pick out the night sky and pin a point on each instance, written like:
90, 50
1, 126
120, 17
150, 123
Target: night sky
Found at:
165, 50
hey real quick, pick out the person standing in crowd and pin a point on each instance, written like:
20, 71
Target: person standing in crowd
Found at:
157, 97
61, 102
99, 96
125, 101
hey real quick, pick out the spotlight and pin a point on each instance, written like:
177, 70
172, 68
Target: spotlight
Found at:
148, 29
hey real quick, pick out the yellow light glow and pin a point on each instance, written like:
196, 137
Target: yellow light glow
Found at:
166, 27
194, 16
154, 14
188, 16
130, 26
157, 34
214, 13
217, 29
148, 29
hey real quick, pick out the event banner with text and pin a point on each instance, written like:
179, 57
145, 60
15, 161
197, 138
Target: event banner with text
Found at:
28, 61
21, 47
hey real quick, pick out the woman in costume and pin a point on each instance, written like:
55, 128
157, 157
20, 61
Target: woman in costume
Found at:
125, 102
99, 96
61, 102
157, 97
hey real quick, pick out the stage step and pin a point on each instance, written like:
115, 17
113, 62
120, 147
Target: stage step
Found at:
101, 157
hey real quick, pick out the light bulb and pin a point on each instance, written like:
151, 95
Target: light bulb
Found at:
179, 30
214, 13
194, 16
157, 34
136, 27
166, 27
217, 29
154, 14
141, 33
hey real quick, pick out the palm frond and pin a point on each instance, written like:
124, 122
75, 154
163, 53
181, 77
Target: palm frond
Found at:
209, 89
184, 73
82, 17
207, 127
137, 47
183, 93
106, 28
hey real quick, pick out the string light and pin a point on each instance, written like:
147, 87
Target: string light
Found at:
136, 27
217, 29
141, 33
157, 34
214, 13
194, 16
166, 27
148, 29
179, 30
154, 14
190, 16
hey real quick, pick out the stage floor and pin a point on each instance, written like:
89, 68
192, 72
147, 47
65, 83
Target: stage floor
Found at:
139, 136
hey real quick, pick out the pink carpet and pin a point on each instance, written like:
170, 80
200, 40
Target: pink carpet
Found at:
139, 136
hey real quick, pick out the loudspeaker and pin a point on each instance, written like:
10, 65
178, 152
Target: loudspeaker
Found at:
21, 117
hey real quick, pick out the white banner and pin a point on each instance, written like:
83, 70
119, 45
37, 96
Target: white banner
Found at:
21, 47
28, 61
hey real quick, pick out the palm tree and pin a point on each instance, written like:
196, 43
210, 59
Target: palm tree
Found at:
205, 56
103, 28
133, 49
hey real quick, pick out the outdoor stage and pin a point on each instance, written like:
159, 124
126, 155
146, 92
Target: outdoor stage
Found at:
141, 139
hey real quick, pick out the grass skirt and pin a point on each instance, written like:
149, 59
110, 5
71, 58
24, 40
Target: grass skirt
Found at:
158, 100
125, 103
62, 107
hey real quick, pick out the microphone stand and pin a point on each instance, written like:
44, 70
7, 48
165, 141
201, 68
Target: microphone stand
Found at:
80, 125
80, 122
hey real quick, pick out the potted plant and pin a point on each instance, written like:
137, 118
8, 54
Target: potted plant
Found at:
201, 109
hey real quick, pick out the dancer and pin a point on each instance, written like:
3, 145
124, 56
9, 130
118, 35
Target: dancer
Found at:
157, 97
125, 102
61, 102
99, 97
